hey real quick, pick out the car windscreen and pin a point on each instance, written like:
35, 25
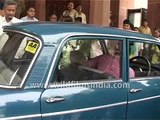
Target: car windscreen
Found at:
17, 52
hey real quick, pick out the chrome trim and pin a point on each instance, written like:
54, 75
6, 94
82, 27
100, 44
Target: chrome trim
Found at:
55, 99
110, 35
82, 110
32, 62
63, 112
54, 61
135, 90
24, 33
21, 117
13, 76
145, 78
9, 87
77, 110
143, 99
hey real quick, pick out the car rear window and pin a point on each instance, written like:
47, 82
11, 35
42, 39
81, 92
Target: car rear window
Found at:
17, 52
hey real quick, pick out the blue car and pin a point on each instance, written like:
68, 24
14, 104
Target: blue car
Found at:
66, 71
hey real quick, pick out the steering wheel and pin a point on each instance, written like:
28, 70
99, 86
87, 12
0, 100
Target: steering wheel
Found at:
139, 60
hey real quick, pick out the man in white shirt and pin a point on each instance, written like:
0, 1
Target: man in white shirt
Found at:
70, 11
30, 15
81, 14
9, 12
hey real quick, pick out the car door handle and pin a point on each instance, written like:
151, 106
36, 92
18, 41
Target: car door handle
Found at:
135, 90
55, 99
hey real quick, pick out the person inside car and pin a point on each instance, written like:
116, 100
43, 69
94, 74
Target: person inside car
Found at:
72, 72
110, 63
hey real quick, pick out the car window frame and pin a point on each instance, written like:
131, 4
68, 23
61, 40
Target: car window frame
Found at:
140, 40
85, 36
40, 40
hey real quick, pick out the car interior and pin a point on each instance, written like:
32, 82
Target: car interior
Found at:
142, 64
85, 48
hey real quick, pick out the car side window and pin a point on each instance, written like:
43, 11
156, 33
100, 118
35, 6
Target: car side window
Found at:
144, 59
83, 60
16, 55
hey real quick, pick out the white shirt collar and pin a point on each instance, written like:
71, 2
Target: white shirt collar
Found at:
14, 20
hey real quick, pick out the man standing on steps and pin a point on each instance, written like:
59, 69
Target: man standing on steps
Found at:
9, 13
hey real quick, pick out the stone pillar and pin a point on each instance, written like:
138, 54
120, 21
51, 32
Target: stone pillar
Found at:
124, 5
99, 12
40, 6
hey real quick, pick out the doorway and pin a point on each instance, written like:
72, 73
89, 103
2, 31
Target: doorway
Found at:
136, 16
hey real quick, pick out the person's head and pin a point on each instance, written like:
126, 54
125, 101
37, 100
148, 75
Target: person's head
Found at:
66, 19
77, 57
127, 24
70, 6
31, 12
79, 8
144, 23
112, 45
53, 18
9, 9
156, 33
78, 20
136, 29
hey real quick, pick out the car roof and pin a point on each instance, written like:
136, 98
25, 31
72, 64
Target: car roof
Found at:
50, 28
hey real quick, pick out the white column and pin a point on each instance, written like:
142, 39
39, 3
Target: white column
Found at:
99, 12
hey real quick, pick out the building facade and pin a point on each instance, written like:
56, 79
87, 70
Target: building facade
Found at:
104, 12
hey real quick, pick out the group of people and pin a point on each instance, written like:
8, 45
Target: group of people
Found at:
144, 28
8, 12
70, 14
76, 15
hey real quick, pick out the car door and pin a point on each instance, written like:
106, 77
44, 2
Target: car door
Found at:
144, 91
94, 98
18, 104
